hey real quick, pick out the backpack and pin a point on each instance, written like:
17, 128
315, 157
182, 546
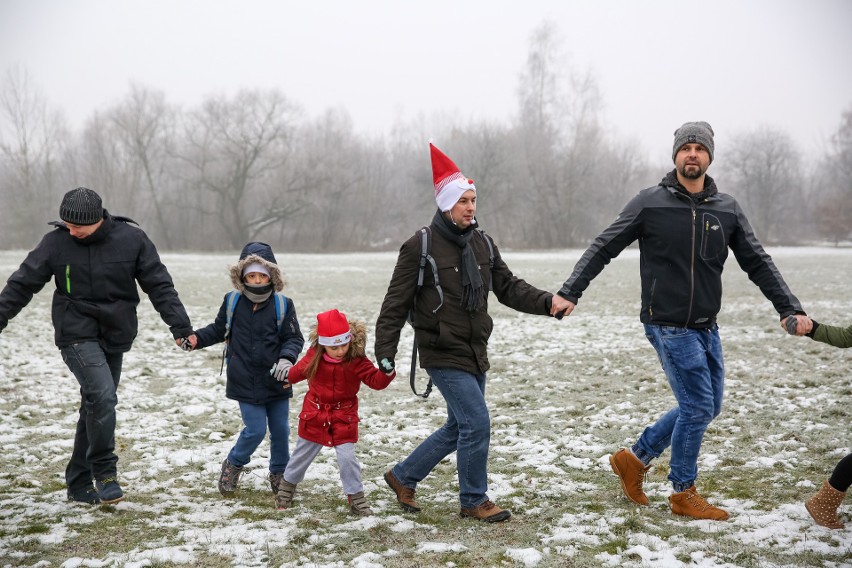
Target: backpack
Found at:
231, 302
426, 258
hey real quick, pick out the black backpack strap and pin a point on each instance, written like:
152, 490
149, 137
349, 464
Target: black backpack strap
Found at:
425, 258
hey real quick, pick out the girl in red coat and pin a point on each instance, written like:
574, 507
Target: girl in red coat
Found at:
335, 366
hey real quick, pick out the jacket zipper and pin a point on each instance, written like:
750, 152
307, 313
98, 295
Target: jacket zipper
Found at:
68, 278
691, 267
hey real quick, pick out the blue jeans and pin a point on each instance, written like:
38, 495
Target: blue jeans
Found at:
255, 418
98, 373
693, 363
466, 432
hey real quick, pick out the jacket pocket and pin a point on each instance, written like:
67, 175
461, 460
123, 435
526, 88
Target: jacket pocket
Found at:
712, 237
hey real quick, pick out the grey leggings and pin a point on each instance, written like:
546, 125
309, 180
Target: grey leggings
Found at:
304, 454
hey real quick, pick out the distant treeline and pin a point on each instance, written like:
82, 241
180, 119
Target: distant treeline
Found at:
254, 167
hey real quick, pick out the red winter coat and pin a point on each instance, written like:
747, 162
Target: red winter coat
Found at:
330, 410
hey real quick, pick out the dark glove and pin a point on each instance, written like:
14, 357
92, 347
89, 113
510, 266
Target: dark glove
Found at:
791, 323
281, 370
185, 344
387, 365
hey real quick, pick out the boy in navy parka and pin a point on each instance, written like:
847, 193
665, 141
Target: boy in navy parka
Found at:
260, 353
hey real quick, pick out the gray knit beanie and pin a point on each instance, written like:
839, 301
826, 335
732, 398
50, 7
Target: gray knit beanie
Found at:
693, 133
81, 206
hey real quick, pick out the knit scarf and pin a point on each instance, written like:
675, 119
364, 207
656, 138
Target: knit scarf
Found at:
473, 297
258, 294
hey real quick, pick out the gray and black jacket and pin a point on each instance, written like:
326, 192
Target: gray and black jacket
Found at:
683, 243
96, 295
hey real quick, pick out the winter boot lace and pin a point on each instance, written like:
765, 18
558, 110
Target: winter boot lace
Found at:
229, 478
631, 471
285, 494
690, 504
823, 506
358, 505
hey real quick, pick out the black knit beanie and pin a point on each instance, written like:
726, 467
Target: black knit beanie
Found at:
693, 133
81, 206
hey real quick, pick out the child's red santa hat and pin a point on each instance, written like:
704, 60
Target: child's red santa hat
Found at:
333, 329
450, 183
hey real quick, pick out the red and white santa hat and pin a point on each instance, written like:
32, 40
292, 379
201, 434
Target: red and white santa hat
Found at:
450, 183
333, 329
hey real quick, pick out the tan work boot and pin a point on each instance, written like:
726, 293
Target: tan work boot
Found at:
405, 495
690, 504
358, 505
285, 494
823, 506
631, 471
488, 512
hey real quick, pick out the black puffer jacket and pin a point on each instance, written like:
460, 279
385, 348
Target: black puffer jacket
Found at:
96, 294
256, 344
683, 243
451, 336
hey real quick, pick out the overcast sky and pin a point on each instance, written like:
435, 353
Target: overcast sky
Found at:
738, 64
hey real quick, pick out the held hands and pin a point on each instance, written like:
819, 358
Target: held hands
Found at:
187, 343
281, 370
387, 366
797, 325
560, 307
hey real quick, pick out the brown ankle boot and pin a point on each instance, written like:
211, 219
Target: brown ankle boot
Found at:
631, 471
823, 506
690, 504
405, 495
358, 505
285, 494
488, 512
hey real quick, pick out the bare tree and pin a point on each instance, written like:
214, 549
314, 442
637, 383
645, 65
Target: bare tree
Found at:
833, 210
234, 150
33, 148
764, 172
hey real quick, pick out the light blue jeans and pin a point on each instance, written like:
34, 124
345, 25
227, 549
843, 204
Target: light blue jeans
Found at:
693, 362
255, 419
466, 432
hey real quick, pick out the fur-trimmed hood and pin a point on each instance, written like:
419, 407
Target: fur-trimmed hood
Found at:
262, 254
359, 338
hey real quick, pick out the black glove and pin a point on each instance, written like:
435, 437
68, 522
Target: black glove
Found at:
185, 344
387, 365
791, 323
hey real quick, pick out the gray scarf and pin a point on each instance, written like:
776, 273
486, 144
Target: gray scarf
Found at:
258, 294
473, 297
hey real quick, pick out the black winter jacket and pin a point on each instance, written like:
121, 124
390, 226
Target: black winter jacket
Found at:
96, 295
683, 244
254, 347
451, 336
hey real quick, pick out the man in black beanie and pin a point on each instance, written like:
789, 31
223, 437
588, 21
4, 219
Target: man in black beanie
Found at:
95, 260
685, 227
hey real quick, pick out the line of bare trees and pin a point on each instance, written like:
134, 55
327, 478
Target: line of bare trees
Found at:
254, 167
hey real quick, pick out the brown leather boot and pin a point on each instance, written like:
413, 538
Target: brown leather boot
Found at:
631, 471
823, 506
405, 495
690, 504
488, 512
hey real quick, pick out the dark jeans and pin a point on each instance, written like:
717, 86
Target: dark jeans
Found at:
98, 374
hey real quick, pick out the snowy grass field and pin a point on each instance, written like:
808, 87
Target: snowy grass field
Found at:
563, 395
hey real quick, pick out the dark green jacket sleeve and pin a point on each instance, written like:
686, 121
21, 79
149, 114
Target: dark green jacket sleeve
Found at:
833, 335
